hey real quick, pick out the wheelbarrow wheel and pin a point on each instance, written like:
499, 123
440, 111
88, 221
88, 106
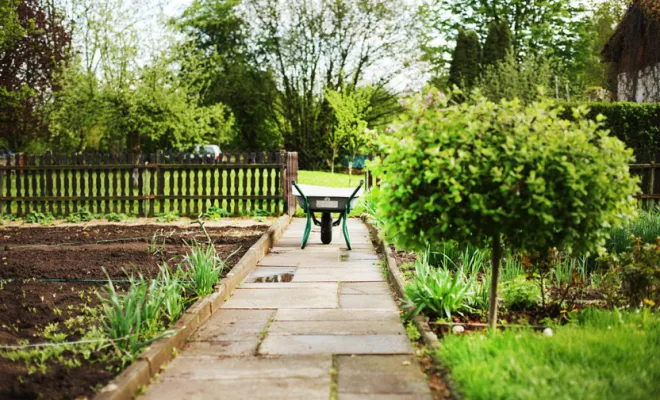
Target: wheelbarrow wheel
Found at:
326, 228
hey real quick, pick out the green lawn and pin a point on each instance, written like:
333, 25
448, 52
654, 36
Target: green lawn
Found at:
319, 178
338, 180
608, 355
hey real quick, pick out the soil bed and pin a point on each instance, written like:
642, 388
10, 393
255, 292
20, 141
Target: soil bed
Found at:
39, 294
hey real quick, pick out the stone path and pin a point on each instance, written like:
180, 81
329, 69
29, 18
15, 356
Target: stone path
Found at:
334, 329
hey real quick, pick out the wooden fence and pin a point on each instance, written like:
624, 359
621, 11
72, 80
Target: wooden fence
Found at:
148, 185
648, 183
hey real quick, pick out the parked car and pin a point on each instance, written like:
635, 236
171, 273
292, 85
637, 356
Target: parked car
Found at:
208, 149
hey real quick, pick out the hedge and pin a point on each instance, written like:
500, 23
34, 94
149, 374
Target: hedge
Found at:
637, 124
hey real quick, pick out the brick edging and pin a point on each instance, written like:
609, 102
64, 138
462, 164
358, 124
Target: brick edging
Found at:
139, 374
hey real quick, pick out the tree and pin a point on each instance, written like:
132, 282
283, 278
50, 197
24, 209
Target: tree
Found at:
466, 60
498, 43
33, 47
232, 73
509, 79
314, 44
350, 109
112, 101
491, 173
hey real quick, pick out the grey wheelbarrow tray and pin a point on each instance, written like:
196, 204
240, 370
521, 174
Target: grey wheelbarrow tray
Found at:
326, 200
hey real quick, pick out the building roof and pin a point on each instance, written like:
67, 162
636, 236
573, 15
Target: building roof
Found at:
641, 14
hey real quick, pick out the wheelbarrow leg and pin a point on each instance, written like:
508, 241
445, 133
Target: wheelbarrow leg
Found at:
345, 228
308, 229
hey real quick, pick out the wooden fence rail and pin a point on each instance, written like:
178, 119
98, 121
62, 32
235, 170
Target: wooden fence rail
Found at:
148, 185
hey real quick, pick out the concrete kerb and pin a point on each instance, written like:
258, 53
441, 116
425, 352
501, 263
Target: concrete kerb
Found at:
396, 279
149, 363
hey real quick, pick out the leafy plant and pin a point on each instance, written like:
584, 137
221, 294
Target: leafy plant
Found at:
168, 217
519, 294
480, 172
81, 215
172, 289
215, 213
645, 226
439, 292
35, 217
132, 318
203, 268
639, 273
112, 217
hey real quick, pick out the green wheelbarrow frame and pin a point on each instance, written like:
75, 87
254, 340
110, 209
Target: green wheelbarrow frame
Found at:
343, 215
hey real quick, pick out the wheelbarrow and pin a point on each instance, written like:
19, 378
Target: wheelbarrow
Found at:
326, 201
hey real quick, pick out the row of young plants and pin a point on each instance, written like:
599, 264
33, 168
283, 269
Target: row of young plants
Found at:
131, 314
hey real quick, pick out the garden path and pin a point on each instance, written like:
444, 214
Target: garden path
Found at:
332, 331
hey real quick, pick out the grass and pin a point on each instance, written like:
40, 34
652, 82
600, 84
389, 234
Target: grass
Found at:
336, 180
646, 226
603, 355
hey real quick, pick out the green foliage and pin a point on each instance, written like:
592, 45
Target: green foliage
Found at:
203, 267
132, 318
167, 217
112, 217
497, 44
520, 294
81, 215
639, 271
509, 79
605, 355
645, 226
471, 171
350, 108
412, 332
35, 217
466, 60
636, 124
439, 292
230, 71
215, 213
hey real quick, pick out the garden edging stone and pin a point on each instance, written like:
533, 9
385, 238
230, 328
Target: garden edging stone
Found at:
150, 362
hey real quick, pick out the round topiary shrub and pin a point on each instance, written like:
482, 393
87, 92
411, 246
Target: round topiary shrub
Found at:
479, 171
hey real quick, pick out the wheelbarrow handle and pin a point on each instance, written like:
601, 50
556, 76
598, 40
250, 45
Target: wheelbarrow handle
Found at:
348, 204
300, 191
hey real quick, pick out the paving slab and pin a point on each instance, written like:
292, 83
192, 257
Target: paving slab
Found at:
221, 348
334, 275
374, 327
336, 344
246, 389
375, 375
374, 301
365, 288
284, 314
313, 297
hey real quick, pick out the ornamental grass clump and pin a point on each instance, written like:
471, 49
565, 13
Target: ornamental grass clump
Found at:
203, 268
439, 292
481, 173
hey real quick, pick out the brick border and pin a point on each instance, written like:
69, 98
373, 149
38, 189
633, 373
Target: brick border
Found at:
149, 363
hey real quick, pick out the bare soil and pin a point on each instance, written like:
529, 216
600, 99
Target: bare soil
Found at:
56, 271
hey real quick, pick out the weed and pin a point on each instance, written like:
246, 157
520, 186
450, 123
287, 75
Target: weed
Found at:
81, 215
168, 217
112, 217
214, 213
35, 217
412, 332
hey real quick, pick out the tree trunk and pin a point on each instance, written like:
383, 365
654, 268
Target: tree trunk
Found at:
496, 257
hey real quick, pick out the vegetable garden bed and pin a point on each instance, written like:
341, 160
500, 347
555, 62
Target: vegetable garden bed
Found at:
49, 282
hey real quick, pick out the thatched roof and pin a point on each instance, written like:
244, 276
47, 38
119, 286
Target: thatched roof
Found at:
637, 36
